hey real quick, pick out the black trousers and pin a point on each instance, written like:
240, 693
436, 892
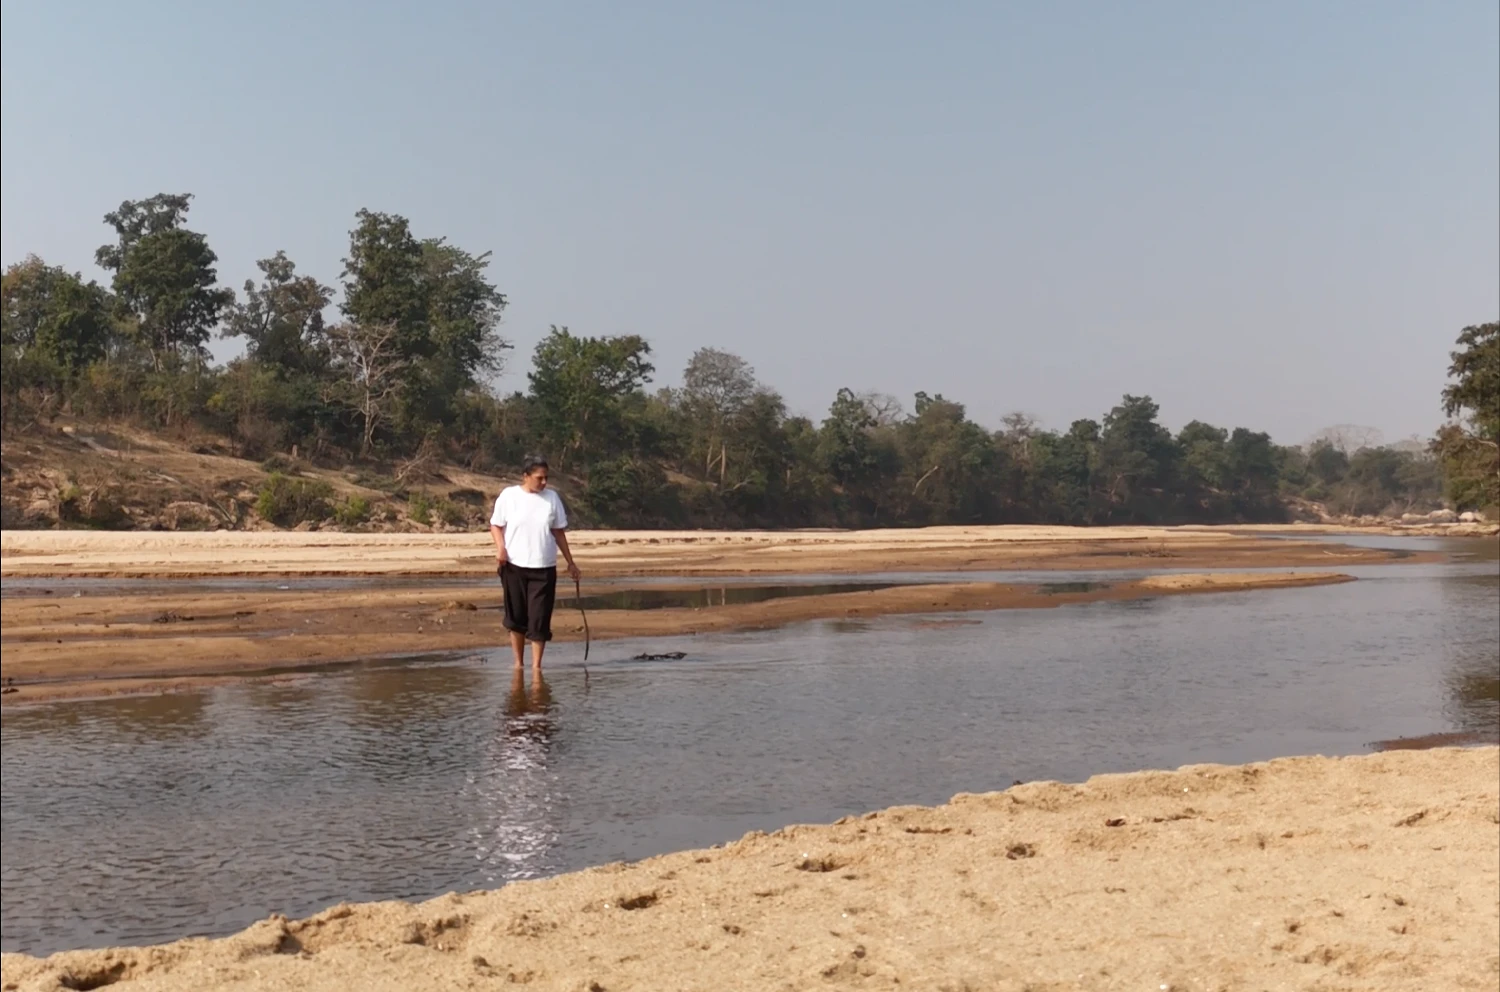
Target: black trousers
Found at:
530, 594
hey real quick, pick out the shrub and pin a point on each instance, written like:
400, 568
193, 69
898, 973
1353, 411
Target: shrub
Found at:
374, 480
419, 508
287, 502
352, 511
89, 508
284, 464
450, 513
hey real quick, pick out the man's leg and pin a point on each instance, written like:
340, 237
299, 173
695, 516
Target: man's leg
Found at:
513, 587
541, 596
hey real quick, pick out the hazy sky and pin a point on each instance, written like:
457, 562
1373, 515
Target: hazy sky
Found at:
1276, 215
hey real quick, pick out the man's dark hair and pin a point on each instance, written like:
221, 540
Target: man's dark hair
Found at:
533, 462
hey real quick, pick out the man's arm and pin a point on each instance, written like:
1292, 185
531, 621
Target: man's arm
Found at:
562, 545
498, 534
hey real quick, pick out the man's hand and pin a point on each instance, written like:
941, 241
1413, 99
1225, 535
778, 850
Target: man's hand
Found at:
573, 572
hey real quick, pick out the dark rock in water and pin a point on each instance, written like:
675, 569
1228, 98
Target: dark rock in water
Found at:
664, 656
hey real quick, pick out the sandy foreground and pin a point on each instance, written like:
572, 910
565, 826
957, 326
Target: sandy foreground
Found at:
1373, 872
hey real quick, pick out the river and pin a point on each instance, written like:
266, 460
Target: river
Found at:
143, 819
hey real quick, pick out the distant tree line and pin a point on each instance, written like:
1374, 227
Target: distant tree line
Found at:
403, 372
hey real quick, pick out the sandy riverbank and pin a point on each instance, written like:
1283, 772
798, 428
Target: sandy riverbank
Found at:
121, 640
133, 554
59, 646
1375, 872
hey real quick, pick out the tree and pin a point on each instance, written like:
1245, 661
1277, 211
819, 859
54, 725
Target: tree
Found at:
1250, 467
578, 385
282, 318
1470, 448
845, 439
1475, 391
1067, 465
949, 463
1204, 458
1136, 459
716, 386
437, 296
164, 277
52, 314
1348, 438
383, 279
438, 299
370, 359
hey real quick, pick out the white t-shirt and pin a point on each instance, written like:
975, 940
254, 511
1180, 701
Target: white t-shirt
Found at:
528, 520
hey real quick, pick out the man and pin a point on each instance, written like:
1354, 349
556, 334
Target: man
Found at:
529, 526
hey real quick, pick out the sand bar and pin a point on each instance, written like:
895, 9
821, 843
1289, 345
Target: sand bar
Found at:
127, 554
1373, 872
59, 646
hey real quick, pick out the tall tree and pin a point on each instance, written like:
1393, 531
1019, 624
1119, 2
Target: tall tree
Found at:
847, 453
282, 318
1250, 467
1069, 464
578, 385
1203, 455
716, 387
164, 276
1136, 459
52, 314
370, 360
1470, 447
438, 299
949, 463
1475, 371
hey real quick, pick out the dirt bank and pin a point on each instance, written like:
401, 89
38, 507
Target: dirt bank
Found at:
60, 646
134, 554
1375, 872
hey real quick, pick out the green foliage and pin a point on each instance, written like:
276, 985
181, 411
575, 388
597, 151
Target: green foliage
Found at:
53, 316
627, 492
1470, 452
287, 501
281, 320
352, 512
451, 513
441, 312
164, 277
1475, 390
419, 508
284, 464
580, 388
401, 384
93, 508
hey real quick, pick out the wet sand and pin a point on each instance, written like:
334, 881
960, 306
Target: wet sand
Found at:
1372, 872
107, 643
137, 554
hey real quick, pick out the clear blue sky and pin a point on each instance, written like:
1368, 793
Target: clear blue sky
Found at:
1276, 215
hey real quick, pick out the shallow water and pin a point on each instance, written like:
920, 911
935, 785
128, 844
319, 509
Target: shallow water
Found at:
736, 594
145, 819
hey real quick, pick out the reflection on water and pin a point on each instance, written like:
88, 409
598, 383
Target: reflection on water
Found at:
516, 791
1056, 588
1474, 652
725, 595
143, 819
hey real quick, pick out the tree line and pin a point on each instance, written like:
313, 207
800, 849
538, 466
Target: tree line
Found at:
403, 371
